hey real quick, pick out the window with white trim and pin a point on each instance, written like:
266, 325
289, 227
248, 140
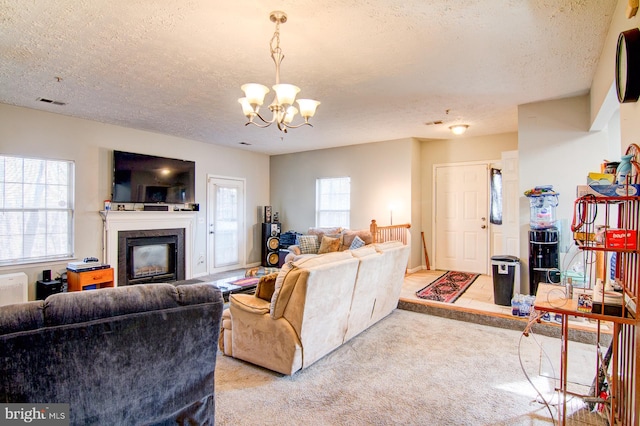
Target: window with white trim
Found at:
36, 210
333, 201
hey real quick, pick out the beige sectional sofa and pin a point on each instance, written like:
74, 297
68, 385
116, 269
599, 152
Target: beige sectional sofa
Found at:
313, 305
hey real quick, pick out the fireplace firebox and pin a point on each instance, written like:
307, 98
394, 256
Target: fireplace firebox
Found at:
148, 256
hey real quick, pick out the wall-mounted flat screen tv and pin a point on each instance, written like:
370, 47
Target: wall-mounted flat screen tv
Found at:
140, 178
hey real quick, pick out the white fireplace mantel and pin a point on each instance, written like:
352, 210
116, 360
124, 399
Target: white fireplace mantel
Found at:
116, 221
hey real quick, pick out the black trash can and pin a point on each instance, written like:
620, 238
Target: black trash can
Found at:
504, 273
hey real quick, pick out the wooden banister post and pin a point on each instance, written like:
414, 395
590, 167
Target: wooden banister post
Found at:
373, 228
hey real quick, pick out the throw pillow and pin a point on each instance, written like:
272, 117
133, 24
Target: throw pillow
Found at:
308, 244
356, 243
348, 237
329, 245
266, 286
321, 232
326, 230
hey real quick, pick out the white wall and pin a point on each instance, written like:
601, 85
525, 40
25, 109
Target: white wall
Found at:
559, 130
556, 148
381, 174
604, 78
90, 144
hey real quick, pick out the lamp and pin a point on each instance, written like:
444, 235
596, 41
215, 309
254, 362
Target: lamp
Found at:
459, 129
285, 94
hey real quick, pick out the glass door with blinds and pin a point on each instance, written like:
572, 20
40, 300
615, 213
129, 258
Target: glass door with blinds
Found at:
226, 227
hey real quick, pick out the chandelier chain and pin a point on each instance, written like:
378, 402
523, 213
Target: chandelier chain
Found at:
276, 53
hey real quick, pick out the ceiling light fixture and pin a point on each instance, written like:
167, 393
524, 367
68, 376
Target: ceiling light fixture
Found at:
459, 129
285, 94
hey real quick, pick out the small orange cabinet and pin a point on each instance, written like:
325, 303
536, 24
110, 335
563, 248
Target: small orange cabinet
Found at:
89, 280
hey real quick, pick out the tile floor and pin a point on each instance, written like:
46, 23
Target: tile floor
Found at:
477, 297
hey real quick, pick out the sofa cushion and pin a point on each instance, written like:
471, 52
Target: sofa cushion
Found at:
356, 243
22, 317
248, 303
388, 245
363, 252
285, 286
321, 232
348, 237
325, 230
281, 293
266, 286
308, 244
59, 309
312, 261
329, 244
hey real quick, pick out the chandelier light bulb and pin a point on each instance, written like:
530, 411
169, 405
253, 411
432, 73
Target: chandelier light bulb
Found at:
255, 93
247, 109
291, 113
286, 93
307, 107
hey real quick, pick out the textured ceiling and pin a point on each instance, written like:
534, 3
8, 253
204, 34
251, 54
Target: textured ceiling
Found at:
381, 68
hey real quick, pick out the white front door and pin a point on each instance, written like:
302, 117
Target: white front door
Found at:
461, 217
225, 223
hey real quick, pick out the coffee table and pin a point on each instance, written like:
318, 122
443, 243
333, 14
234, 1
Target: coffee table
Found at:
227, 288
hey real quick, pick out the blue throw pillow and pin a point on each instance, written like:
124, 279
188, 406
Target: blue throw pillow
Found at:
356, 243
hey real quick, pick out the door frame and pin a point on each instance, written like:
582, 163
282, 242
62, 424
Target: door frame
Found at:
242, 233
434, 194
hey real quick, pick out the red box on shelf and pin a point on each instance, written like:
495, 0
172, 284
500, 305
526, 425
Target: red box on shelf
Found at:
621, 239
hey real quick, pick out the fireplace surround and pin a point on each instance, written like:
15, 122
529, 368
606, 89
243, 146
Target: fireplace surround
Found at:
148, 256
118, 221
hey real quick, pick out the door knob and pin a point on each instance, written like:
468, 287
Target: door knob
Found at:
483, 226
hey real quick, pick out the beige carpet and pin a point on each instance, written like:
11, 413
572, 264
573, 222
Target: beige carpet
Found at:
409, 369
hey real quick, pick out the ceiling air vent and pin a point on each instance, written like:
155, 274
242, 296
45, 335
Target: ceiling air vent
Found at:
49, 101
431, 123
244, 143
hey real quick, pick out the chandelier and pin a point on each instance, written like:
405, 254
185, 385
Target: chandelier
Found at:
282, 109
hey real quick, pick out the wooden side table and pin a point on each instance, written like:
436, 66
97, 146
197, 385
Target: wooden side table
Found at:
89, 280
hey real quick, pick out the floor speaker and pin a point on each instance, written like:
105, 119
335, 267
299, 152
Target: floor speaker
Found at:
270, 244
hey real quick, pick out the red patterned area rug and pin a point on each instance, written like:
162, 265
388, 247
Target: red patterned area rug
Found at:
448, 287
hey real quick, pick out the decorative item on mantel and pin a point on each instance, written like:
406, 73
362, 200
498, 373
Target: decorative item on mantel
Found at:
285, 94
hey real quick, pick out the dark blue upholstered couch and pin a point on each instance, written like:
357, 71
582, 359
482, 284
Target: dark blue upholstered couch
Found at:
143, 354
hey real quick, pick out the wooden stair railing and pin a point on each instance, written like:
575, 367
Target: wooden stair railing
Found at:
390, 233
